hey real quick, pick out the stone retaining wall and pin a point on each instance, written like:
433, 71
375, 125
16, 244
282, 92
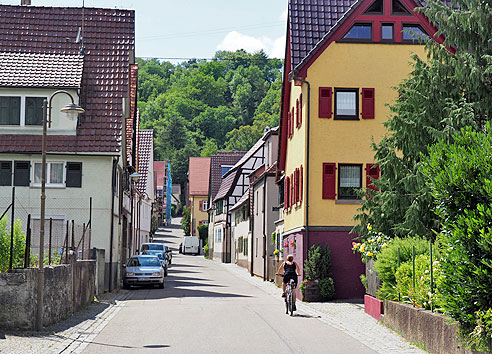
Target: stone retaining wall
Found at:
67, 288
430, 329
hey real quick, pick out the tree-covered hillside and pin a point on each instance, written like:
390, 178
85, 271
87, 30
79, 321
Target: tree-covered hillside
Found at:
199, 106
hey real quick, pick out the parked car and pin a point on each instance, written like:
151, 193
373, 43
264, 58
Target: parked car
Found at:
191, 245
143, 270
157, 246
162, 258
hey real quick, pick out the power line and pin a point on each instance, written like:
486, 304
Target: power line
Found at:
196, 58
213, 31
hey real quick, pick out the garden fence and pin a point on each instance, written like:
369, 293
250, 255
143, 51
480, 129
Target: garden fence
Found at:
67, 227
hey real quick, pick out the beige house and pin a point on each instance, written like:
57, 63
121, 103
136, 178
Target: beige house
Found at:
198, 177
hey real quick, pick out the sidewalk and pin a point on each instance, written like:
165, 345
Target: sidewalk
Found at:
69, 336
347, 317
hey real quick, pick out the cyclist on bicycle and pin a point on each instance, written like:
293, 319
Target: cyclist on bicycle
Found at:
291, 270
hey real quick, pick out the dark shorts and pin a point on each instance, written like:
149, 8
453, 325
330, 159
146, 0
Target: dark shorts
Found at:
288, 277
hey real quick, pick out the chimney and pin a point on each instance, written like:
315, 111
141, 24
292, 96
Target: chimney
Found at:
25, 2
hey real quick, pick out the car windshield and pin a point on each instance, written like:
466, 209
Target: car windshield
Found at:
144, 261
153, 246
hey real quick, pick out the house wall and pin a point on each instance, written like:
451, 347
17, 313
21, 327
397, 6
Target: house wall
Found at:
240, 233
69, 203
197, 215
60, 124
346, 65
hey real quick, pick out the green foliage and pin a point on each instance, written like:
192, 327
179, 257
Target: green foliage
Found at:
387, 262
363, 280
186, 221
203, 233
442, 94
327, 288
19, 245
459, 178
421, 295
318, 264
205, 250
199, 107
302, 287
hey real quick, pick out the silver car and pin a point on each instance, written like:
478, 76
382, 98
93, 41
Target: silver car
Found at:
143, 270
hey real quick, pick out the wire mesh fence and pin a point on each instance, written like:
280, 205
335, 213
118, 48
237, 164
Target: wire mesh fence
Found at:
67, 229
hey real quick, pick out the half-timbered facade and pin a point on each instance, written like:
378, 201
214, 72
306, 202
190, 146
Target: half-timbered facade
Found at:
235, 183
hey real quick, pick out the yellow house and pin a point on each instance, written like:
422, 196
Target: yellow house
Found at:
342, 60
198, 177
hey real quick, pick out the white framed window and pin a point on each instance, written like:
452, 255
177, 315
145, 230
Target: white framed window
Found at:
21, 110
205, 205
346, 103
55, 174
218, 235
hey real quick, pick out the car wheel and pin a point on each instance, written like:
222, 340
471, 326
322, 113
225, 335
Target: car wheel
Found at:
161, 285
125, 286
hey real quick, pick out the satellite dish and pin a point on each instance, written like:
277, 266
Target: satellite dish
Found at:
79, 36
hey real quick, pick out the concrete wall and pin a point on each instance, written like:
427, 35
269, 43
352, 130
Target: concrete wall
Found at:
434, 331
67, 288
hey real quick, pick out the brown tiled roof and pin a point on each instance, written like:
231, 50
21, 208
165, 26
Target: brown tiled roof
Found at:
109, 39
199, 175
227, 158
247, 155
160, 170
145, 151
130, 121
309, 21
227, 184
40, 70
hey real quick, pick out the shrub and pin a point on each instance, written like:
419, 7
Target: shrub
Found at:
327, 288
460, 180
374, 242
205, 250
19, 245
203, 233
317, 265
185, 221
421, 295
387, 262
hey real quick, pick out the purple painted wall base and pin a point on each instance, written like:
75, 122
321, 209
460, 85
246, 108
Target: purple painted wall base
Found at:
346, 267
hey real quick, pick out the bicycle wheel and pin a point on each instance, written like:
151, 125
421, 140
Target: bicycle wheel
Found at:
291, 303
287, 302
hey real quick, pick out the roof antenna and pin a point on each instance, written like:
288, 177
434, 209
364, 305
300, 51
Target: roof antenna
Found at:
80, 34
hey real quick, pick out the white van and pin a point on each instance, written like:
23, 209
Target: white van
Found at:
191, 245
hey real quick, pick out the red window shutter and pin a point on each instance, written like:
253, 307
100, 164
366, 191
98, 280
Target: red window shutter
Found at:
372, 172
201, 205
200, 223
325, 99
297, 184
292, 189
367, 103
292, 123
288, 124
300, 183
287, 192
300, 109
297, 113
329, 180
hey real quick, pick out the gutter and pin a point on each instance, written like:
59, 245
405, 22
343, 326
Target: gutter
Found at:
308, 121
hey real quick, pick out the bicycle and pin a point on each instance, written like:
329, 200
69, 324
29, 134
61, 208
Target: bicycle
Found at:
289, 298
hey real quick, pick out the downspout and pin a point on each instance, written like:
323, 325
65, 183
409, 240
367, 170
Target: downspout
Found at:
251, 225
307, 163
111, 234
264, 227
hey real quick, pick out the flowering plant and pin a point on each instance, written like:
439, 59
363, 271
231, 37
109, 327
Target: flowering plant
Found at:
373, 244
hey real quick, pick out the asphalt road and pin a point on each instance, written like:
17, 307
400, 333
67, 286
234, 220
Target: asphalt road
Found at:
206, 309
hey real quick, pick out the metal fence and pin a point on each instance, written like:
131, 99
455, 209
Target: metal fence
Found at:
67, 227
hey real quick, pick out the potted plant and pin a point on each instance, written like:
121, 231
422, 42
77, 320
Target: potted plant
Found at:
318, 285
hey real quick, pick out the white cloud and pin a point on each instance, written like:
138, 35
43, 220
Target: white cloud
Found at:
283, 16
275, 48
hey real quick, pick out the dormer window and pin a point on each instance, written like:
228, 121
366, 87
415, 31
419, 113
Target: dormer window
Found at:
359, 32
21, 110
413, 33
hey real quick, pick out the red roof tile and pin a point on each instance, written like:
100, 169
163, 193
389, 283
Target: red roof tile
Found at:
40, 70
199, 175
160, 170
145, 151
222, 158
109, 40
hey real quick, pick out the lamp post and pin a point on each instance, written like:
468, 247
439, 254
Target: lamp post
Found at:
72, 111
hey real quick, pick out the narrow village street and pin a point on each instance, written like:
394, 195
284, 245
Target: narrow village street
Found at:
208, 307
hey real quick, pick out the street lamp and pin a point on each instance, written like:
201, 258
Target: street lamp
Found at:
72, 111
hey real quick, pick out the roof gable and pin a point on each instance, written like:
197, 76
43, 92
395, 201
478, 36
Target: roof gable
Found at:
145, 152
199, 175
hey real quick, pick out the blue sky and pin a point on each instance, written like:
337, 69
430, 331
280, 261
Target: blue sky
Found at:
198, 28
